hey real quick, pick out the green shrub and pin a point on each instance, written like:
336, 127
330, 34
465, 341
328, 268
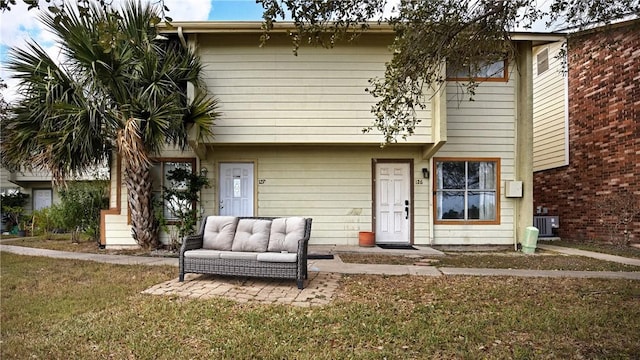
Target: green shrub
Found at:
43, 222
12, 208
79, 208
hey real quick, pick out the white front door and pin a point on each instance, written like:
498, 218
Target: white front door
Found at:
393, 203
42, 198
236, 189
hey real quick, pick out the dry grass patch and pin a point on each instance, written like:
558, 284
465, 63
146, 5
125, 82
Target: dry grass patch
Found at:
62, 309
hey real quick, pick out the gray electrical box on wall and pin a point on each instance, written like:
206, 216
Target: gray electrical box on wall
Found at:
513, 189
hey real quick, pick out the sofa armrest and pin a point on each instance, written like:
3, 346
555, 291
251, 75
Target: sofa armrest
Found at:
191, 242
303, 245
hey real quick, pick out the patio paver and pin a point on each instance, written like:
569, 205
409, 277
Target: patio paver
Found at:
319, 290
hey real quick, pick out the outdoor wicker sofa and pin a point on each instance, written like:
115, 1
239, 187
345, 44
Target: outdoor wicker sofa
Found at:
248, 246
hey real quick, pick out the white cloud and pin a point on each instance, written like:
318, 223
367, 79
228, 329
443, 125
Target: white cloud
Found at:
16, 28
19, 25
188, 10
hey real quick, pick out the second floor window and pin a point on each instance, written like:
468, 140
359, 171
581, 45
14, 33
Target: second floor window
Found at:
542, 60
495, 71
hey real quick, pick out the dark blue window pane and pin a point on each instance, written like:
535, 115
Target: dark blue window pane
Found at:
451, 205
481, 205
451, 175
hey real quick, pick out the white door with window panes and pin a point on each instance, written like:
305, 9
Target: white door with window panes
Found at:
393, 203
42, 198
236, 189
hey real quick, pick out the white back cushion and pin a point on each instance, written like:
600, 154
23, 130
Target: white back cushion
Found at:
219, 232
252, 235
285, 233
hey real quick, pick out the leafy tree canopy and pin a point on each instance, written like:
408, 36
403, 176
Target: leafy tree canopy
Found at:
119, 87
428, 32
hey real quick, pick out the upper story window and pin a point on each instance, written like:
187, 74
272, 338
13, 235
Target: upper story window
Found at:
495, 71
542, 61
467, 191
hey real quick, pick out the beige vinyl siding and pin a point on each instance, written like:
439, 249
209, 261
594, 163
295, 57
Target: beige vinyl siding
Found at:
549, 112
36, 175
483, 128
4, 179
268, 95
117, 230
332, 185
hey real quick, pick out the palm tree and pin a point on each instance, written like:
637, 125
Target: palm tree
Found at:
121, 89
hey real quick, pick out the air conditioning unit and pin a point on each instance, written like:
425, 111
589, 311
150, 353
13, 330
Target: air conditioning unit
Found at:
546, 224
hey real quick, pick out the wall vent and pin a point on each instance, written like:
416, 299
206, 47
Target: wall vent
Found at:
546, 224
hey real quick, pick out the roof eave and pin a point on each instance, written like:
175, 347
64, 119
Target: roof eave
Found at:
239, 27
214, 27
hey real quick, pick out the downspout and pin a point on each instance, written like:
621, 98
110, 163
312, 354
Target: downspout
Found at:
181, 37
199, 149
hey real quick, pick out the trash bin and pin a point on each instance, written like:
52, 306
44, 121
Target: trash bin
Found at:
530, 240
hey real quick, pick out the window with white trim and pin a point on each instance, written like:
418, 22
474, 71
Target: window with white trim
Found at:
467, 191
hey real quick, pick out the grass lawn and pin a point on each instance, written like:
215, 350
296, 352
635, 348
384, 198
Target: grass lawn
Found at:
65, 309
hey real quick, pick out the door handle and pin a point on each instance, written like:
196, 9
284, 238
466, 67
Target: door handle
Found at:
406, 211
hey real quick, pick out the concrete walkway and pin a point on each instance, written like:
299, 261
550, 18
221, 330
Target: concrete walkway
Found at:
324, 275
591, 254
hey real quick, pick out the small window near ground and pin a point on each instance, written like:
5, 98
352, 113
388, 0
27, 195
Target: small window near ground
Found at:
467, 191
543, 61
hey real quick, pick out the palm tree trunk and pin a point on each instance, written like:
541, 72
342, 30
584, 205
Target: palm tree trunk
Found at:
138, 181
144, 227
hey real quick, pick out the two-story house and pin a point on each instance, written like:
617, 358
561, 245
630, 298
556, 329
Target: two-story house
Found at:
290, 143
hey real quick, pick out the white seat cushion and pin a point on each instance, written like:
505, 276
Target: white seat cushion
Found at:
252, 235
285, 233
202, 254
278, 257
219, 232
238, 255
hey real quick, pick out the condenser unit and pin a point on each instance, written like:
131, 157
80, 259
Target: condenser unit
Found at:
546, 224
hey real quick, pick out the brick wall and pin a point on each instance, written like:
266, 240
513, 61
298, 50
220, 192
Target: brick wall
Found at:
604, 135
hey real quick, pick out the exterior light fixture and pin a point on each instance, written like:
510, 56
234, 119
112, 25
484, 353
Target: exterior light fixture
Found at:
425, 173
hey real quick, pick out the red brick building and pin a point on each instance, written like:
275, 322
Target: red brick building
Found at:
604, 136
